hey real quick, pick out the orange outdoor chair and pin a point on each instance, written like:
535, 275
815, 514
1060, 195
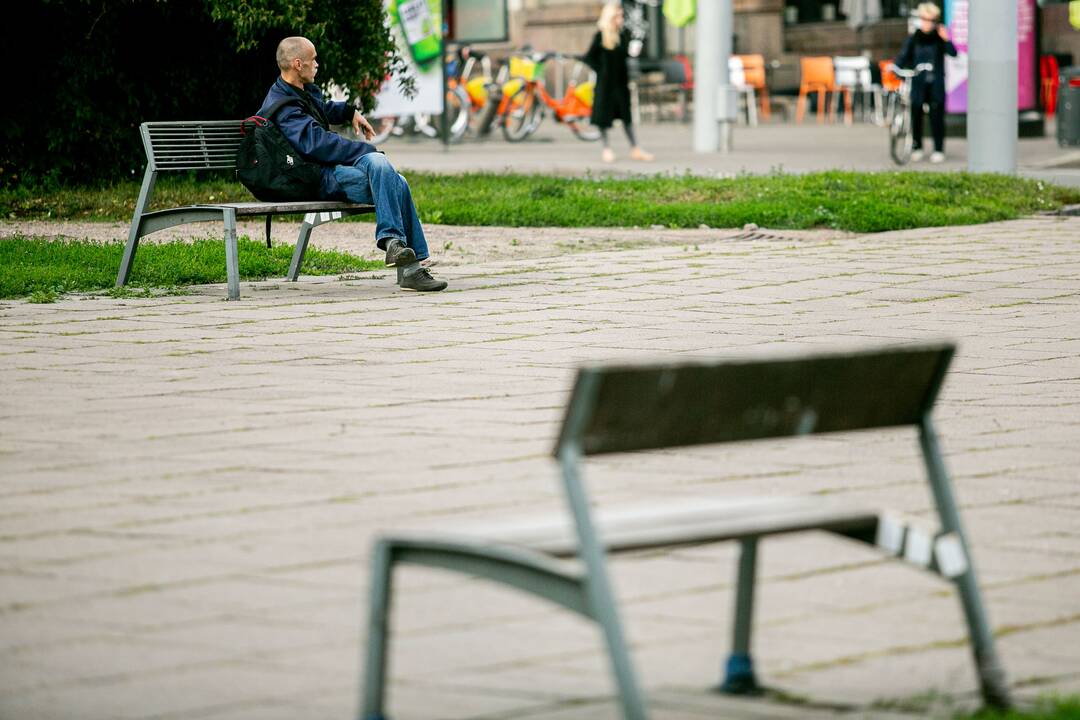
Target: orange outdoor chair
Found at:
754, 73
817, 76
890, 81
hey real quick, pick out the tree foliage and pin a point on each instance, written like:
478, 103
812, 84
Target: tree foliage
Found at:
95, 69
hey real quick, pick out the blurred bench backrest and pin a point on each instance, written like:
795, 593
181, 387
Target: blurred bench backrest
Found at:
623, 409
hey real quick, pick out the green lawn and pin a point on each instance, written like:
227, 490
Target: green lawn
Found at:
1053, 708
43, 269
859, 202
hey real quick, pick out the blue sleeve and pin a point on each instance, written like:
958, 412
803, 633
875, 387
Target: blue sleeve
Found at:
338, 113
950, 49
316, 144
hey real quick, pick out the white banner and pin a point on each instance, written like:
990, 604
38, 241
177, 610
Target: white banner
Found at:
416, 26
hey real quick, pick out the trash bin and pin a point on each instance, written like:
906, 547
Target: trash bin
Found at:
1068, 109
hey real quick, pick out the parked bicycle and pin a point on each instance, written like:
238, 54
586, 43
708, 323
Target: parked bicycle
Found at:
458, 110
484, 89
528, 103
900, 141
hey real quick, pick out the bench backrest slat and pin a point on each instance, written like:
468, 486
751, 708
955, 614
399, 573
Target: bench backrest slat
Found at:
623, 409
192, 145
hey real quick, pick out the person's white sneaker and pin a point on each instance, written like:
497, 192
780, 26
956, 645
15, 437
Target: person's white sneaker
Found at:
917, 155
937, 157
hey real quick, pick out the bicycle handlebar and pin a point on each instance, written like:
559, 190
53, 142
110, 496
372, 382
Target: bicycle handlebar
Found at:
540, 56
905, 73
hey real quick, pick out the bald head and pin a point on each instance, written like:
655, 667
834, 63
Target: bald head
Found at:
293, 48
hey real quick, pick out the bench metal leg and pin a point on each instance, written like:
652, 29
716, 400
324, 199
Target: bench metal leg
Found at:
122, 276
232, 259
373, 693
739, 678
310, 220
599, 592
525, 570
995, 689
124, 273
633, 704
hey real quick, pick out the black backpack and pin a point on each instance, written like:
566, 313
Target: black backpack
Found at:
269, 166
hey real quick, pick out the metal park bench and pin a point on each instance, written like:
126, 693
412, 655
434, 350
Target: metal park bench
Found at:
212, 145
627, 409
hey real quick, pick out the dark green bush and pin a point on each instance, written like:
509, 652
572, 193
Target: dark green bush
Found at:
89, 71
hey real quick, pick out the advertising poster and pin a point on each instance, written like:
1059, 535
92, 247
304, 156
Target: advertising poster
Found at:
416, 26
956, 69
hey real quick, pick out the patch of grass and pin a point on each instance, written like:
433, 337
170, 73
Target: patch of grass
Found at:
1048, 708
44, 269
859, 202
42, 296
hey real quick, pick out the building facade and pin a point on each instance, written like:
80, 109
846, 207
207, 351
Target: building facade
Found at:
780, 30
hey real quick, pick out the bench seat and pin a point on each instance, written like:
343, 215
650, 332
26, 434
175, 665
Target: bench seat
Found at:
687, 522
246, 209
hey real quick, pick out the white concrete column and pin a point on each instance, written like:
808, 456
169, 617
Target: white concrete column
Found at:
992, 117
727, 102
714, 111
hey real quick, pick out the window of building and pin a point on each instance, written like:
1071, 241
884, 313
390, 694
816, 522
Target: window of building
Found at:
811, 11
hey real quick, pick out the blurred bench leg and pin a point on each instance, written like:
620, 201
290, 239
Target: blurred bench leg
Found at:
739, 676
373, 690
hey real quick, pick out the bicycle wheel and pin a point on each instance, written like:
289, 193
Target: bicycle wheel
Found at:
522, 117
383, 127
486, 117
458, 108
900, 135
584, 129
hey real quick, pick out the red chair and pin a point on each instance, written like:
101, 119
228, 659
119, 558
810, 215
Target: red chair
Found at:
687, 88
689, 69
1049, 81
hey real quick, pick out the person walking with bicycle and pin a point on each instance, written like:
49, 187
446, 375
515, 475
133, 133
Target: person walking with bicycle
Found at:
928, 45
607, 55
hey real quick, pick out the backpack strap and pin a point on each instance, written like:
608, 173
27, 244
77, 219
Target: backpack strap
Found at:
271, 112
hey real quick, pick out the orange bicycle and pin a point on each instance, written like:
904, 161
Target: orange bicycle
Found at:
527, 103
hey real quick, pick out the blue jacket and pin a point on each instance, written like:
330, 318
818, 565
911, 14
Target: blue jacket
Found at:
312, 137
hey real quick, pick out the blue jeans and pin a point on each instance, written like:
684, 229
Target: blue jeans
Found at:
373, 180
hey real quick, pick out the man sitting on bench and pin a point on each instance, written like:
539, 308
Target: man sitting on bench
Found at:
352, 169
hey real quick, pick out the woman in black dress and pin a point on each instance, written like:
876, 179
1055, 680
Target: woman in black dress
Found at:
928, 44
607, 56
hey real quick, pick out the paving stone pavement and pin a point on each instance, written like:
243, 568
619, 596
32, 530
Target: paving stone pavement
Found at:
189, 486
